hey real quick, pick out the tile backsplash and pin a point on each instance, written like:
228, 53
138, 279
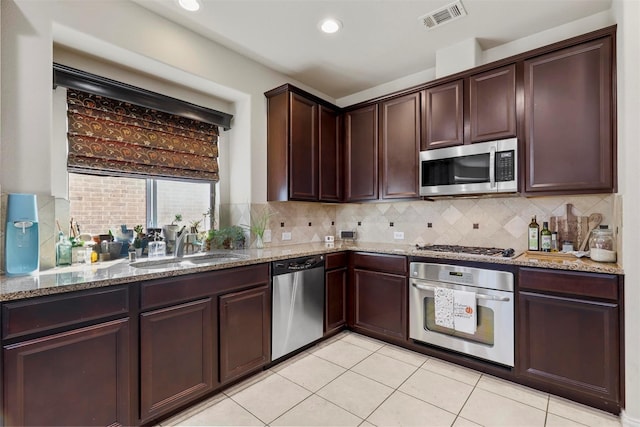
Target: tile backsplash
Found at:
499, 221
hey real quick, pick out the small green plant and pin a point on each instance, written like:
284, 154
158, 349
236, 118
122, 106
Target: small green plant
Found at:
137, 241
212, 219
176, 219
260, 221
195, 224
226, 238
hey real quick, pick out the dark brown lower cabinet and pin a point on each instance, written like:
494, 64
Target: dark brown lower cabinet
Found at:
245, 331
380, 303
73, 378
177, 356
336, 299
569, 335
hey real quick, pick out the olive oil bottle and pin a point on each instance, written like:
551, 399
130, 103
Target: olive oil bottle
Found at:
545, 237
534, 235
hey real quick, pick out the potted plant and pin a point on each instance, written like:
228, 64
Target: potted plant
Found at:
226, 238
138, 241
195, 224
259, 224
170, 231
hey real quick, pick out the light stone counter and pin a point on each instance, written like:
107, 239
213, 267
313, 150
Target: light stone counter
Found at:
78, 277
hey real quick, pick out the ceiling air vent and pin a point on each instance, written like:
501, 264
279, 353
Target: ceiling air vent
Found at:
444, 15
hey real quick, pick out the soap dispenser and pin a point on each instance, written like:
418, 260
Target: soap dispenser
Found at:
22, 245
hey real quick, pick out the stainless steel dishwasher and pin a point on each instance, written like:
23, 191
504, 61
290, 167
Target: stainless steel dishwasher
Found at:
298, 303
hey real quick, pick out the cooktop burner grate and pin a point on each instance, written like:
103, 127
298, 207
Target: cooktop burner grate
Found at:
472, 250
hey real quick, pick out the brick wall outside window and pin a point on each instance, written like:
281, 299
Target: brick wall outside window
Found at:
100, 204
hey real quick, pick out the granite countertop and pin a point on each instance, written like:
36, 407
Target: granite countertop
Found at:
78, 277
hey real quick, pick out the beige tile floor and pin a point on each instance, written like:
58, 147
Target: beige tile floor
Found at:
353, 380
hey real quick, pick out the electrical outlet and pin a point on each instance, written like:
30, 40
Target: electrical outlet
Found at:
398, 235
266, 237
286, 235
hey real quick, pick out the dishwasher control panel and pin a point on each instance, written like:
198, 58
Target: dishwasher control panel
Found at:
296, 264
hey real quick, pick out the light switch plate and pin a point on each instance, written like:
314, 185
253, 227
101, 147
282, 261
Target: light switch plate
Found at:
266, 237
328, 239
286, 235
398, 235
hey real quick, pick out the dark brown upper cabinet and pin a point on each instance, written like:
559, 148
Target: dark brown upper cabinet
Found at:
443, 119
481, 107
361, 153
558, 100
492, 104
399, 147
331, 164
303, 147
569, 120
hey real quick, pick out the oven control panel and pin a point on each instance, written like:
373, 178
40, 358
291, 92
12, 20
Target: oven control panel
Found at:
455, 277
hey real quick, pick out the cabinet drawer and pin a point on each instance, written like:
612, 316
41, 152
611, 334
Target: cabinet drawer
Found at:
189, 287
594, 285
45, 313
336, 260
380, 262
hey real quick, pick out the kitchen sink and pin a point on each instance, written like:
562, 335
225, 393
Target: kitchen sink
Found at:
209, 258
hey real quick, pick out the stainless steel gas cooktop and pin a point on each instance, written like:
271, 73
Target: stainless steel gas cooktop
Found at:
472, 250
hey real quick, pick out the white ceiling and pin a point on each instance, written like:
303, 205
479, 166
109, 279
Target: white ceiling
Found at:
382, 40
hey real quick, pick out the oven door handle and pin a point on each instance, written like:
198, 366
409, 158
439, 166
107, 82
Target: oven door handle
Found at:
478, 296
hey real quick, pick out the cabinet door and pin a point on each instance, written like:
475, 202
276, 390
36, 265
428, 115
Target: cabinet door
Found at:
492, 104
361, 145
278, 147
330, 169
568, 120
380, 303
400, 147
303, 149
79, 377
443, 120
570, 344
177, 354
336, 299
245, 337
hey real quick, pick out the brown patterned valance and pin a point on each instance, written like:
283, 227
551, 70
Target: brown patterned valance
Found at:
110, 137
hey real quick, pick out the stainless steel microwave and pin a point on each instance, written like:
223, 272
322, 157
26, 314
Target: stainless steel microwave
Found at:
481, 168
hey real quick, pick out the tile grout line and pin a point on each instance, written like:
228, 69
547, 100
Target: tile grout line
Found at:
391, 394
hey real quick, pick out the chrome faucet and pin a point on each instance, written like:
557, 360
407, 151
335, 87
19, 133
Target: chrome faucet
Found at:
181, 237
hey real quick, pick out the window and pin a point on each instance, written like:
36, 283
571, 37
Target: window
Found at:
130, 164
102, 203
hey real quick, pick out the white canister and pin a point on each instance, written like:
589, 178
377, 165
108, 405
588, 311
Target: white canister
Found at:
602, 245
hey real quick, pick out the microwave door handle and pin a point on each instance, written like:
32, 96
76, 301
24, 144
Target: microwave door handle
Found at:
492, 166
478, 296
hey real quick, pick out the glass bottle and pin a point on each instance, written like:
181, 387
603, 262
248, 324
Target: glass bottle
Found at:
555, 246
602, 245
545, 238
534, 231
63, 250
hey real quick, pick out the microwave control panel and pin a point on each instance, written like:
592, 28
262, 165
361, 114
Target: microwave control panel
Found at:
505, 166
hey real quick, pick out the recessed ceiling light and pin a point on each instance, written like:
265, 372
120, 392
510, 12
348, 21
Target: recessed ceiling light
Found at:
190, 5
330, 25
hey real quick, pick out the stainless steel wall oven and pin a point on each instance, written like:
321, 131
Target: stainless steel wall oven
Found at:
493, 339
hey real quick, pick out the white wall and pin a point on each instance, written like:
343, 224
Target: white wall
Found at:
627, 13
